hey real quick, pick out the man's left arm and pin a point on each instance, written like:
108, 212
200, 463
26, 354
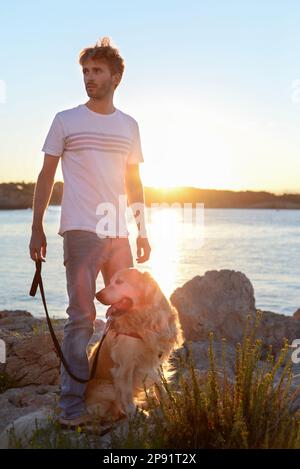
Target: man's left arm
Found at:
136, 199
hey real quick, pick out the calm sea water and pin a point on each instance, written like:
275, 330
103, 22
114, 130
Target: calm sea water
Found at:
263, 244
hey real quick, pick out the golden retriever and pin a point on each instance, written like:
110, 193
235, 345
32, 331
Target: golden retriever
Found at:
139, 341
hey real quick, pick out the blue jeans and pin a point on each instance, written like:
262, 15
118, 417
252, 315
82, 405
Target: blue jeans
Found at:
85, 254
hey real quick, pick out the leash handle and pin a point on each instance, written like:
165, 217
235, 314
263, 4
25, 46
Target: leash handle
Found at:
37, 282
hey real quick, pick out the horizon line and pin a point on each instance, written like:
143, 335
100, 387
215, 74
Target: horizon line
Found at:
168, 188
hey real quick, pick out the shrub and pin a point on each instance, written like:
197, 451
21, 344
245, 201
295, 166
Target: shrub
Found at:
252, 411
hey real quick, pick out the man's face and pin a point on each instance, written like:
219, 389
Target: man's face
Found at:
98, 80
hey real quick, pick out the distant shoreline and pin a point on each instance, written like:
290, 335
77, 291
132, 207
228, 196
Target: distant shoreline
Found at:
19, 195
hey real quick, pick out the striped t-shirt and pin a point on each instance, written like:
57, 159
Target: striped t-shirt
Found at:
94, 150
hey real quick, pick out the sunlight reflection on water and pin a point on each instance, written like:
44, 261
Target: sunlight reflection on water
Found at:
263, 244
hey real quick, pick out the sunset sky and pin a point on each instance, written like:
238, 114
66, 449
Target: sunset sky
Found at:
214, 86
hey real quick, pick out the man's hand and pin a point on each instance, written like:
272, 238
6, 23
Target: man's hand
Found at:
38, 245
142, 245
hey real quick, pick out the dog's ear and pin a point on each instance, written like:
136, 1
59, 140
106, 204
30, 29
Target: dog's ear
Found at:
150, 287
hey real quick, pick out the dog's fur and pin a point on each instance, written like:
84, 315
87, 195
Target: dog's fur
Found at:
126, 364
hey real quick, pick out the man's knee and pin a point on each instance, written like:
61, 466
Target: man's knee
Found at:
81, 301
81, 315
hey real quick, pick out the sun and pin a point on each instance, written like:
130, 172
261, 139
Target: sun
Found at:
213, 171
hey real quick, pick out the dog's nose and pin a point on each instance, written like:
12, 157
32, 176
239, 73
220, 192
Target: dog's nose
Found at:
100, 296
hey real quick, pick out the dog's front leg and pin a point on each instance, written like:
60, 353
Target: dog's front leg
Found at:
123, 381
124, 355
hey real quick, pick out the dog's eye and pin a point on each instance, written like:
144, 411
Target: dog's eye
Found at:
118, 282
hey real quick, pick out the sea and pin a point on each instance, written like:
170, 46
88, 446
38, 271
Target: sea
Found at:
264, 244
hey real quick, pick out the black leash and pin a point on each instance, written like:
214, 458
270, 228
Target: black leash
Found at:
37, 282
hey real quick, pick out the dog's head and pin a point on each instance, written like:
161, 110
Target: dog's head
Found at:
130, 288
136, 291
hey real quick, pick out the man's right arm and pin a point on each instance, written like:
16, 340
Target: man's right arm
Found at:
41, 198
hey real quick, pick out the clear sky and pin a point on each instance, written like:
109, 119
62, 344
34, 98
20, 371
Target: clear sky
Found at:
214, 85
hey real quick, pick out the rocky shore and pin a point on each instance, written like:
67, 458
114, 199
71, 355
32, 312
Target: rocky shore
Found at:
217, 302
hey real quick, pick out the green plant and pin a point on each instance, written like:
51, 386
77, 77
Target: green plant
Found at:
252, 411
52, 436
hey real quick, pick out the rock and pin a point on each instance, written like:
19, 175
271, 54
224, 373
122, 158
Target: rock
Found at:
23, 432
18, 320
30, 356
23, 428
199, 352
32, 364
296, 314
218, 301
17, 402
274, 328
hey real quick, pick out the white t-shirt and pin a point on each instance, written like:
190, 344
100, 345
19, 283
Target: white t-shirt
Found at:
94, 150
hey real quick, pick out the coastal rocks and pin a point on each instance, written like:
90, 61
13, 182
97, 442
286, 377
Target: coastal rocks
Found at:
199, 353
217, 302
16, 402
31, 364
18, 320
220, 302
296, 314
30, 354
31, 358
274, 328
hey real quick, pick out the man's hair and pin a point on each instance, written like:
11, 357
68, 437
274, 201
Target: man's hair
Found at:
104, 50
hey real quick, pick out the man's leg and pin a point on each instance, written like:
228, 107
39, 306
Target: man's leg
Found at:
84, 254
120, 257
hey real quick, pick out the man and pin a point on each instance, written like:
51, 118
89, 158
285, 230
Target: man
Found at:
100, 152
